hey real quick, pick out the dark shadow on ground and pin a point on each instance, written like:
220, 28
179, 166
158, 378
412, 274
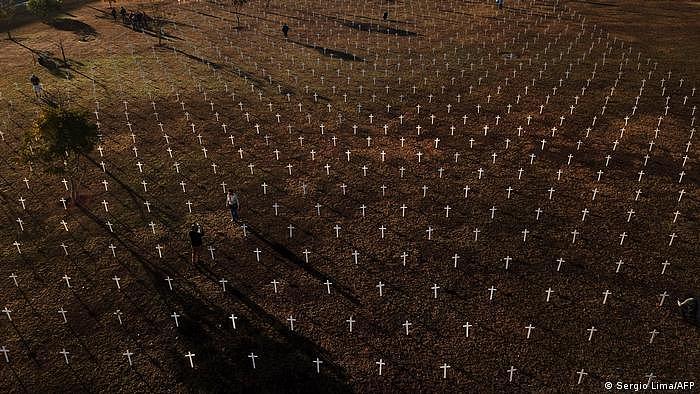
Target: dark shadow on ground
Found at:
287, 255
193, 57
377, 28
74, 25
331, 52
285, 357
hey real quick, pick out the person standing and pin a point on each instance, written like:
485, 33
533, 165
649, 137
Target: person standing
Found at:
196, 236
233, 204
386, 15
36, 85
285, 30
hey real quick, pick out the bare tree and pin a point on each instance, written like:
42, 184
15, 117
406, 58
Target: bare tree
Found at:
7, 10
159, 18
237, 5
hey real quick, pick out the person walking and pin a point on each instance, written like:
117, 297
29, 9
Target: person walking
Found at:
196, 236
36, 85
285, 30
233, 204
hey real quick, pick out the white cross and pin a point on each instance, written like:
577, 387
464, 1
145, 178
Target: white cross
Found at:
406, 325
575, 233
5, 352
233, 320
190, 355
381, 363
590, 332
65, 354
380, 285
653, 334
549, 293
350, 321
252, 357
529, 328
511, 370
507, 259
318, 363
291, 321
650, 376
435, 289
665, 264
580, 374
175, 316
491, 290
466, 327
128, 355
444, 370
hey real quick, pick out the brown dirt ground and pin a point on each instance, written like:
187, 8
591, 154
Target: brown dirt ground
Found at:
206, 58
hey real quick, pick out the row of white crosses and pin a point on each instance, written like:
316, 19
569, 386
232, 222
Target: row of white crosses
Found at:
550, 195
327, 284
492, 211
574, 234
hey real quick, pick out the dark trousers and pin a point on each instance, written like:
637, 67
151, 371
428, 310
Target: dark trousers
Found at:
234, 212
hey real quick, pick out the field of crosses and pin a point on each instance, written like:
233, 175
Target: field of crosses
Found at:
455, 198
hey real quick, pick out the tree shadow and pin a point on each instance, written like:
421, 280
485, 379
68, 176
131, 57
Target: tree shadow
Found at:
333, 53
377, 28
214, 65
285, 357
287, 255
52, 64
74, 25
285, 363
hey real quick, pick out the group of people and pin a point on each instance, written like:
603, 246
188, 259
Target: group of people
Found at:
197, 231
137, 20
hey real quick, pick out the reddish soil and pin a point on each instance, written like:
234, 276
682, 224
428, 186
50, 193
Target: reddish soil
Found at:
470, 56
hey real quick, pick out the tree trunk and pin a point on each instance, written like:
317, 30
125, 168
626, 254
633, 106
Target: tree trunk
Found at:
65, 62
76, 178
73, 191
